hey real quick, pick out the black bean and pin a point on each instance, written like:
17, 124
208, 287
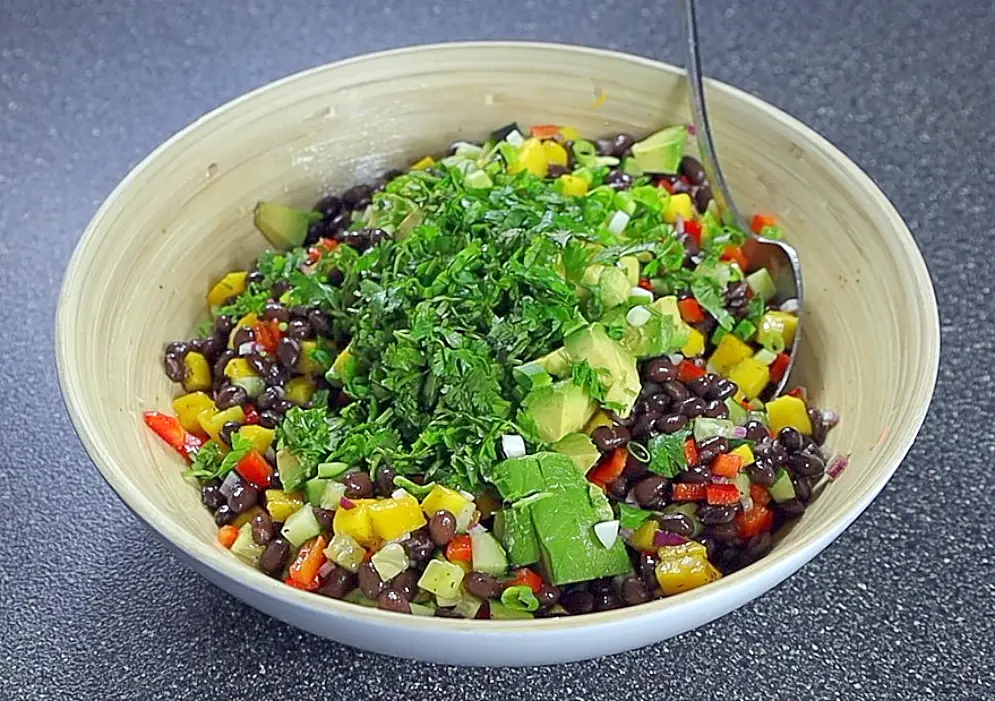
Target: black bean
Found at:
211, 496
633, 591
737, 291
357, 196
618, 488
243, 335
692, 407
280, 288
274, 557
419, 548
716, 409
224, 515
555, 170
691, 249
219, 365
483, 585
617, 437
269, 419
262, 528
790, 438
299, 311
447, 612
606, 601
329, 205
269, 397
634, 467
679, 186
707, 326
259, 363
335, 277
659, 370
791, 509
358, 485
724, 532
548, 595
405, 583
642, 427
722, 388
803, 489
711, 545
442, 527
618, 179
299, 329
385, 480
700, 386
651, 492
649, 389
646, 564
393, 600
602, 585
336, 224
695, 474
622, 143
243, 497
762, 473
229, 396
228, 428
818, 426
714, 514
175, 369
177, 348
656, 404
288, 352
692, 169
274, 311
676, 522
321, 323
211, 347
671, 424
759, 545
755, 431
389, 175
675, 390
604, 147
324, 517
702, 196
806, 465
339, 582
369, 581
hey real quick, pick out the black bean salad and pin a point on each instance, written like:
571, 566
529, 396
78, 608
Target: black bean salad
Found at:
531, 378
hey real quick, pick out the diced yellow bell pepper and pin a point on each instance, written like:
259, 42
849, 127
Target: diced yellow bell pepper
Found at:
230, 285
684, 567
307, 365
695, 345
679, 205
788, 411
572, 185
250, 319
237, 368
600, 418
744, 453
531, 157
423, 163
260, 437
356, 522
247, 516
394, 517
300, 390
443, 498
642, 539
212, 421
751, 376
730, 351
569, 133
197, 372
281, 505
189, 406
555, 154
777, 323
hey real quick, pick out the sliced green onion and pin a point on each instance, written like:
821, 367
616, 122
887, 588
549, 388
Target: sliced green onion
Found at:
520, 598
638, 451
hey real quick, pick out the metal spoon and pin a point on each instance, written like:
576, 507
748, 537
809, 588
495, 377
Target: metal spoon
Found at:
779, 258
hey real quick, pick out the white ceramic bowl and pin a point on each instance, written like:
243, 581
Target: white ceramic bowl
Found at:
182, 218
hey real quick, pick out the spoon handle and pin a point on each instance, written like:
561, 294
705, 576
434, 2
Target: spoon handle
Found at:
703, 129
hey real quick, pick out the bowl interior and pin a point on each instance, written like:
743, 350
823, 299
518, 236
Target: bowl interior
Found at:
183, 218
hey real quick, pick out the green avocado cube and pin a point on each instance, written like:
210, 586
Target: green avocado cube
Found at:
513, 527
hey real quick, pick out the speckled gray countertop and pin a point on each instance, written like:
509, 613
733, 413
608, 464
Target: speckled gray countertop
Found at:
899, 607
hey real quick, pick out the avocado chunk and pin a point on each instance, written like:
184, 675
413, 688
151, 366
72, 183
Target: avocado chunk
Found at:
630, 264
555, 363
558, 409
284, 227
292, 472
553, 521
613, 287
580, 448
593, 344
665, 332
661, 152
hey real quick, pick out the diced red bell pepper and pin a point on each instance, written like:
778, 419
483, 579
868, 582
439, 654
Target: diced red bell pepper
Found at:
691, 311
799, 392
318, 250
756, 520
645, 283
268, 335
256, 471
168, 428
721, 493
227, 536
251, 414
736, 255
692, 227
460, 548
525, 577
609, 469
691, 452
667, 185
685, 491
727, 465
688, 371
761, 222
759, 495
779, 367
310, 558
544, 131
313, 585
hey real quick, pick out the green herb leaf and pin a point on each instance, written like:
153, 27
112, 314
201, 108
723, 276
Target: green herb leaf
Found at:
667, 453
711, 297
305, 433
590, 380
631, 516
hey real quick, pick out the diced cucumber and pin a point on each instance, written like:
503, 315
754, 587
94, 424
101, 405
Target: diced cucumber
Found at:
468, 606
488, 555
782, 490
314, 488
422, 610
737, 414
501, 612
742, 482
762, 284
478, 180
758, 415
245, 547
345, 552
705, 428
330, 498
301, 526
331, 470
442, 578
390, 560
292, 472
252, 384
464, 517
356, 597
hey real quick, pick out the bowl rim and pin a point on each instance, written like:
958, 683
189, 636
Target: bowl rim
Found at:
777, 567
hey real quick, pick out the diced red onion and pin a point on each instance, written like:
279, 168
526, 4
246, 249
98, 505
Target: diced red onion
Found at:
625, 533
617, 223
836, 465
347, 503
738, 432
326, 569
716, 479
790, 306
231, 481
246, 348
691, 129
830, 418
675, 358
663, 539
679, 225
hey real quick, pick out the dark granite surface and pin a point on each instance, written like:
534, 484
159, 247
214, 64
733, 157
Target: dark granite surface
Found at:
901, 605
